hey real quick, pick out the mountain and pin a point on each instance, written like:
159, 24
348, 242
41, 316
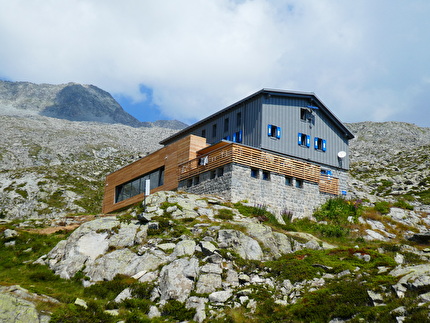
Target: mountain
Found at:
72, 101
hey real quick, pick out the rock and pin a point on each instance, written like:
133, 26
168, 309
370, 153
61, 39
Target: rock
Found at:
154, 312
19, 305
81, 303
185, 248
125, 294
9, 233
173, 281
399, 258
166, 246
199, 303
112, 312
208, 283
220, 297
412, 277
207, 248
246, 247
376, 298
363, 256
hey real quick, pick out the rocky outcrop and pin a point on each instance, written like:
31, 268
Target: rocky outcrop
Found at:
200, 262
19, 305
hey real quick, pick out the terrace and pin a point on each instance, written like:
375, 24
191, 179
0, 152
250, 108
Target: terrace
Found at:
225, 153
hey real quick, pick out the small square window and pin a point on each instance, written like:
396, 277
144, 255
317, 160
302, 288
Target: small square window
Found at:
220, 171
254, 172
288, 181
213, 174
189, 182
299, 183
266, 175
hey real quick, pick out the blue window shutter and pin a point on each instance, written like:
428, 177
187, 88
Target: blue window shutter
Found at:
316, 142
324, 145
234, 137
278, 132
300, 139
269, 130
228, 138
240, 136
308, 141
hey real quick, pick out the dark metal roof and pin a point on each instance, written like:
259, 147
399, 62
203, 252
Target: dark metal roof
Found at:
316, 102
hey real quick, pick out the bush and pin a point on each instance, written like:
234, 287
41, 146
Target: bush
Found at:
225, 214
403, 205
382, 207
178, 311
337, 210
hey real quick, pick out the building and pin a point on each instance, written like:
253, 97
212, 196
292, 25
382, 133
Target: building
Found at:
283, 149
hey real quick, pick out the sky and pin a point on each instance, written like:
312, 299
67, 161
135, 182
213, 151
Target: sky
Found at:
366, 60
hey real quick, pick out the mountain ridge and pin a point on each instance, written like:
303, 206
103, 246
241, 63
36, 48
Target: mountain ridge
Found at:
71, 101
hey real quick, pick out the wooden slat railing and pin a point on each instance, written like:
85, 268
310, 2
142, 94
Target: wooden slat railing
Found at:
253, 157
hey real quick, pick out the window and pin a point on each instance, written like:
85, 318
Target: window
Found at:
266, 175
204, 133
320, 144
226, 126
213, 174
303, 114
237, 136
214, 130
304, 140
299, 183
137, 186
220, 171
196, 180
239, 119
288, 180
189, 182
254, 172
274, 131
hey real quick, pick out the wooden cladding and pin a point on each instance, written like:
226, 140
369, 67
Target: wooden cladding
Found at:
256, 158
168, 157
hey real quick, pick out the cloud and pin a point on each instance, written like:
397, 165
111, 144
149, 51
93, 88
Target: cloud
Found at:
367, 60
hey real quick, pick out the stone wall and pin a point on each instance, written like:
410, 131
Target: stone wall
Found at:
235, 183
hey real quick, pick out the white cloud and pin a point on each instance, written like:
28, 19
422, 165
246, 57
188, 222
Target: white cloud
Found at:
362, 58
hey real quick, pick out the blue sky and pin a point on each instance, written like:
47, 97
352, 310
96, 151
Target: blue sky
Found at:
367, 60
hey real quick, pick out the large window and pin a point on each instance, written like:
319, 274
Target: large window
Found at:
137, 186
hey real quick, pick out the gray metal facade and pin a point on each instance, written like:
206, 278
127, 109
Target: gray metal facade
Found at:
283, 110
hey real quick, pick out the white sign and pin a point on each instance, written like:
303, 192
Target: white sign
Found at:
147, 187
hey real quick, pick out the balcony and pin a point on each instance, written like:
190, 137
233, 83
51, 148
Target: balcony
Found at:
225, 153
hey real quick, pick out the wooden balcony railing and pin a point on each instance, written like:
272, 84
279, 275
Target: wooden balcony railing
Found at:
252, 157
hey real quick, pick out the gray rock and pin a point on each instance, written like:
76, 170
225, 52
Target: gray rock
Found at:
199, 303
173, 282
220, 296
208, 283
81, 303
125, 294
154, 312
207, 248
185, 248
245, 246
9, 233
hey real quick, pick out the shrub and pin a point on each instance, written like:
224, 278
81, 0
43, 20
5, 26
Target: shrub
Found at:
337, 210
178, 311
225, 214
382, 207
403, 205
